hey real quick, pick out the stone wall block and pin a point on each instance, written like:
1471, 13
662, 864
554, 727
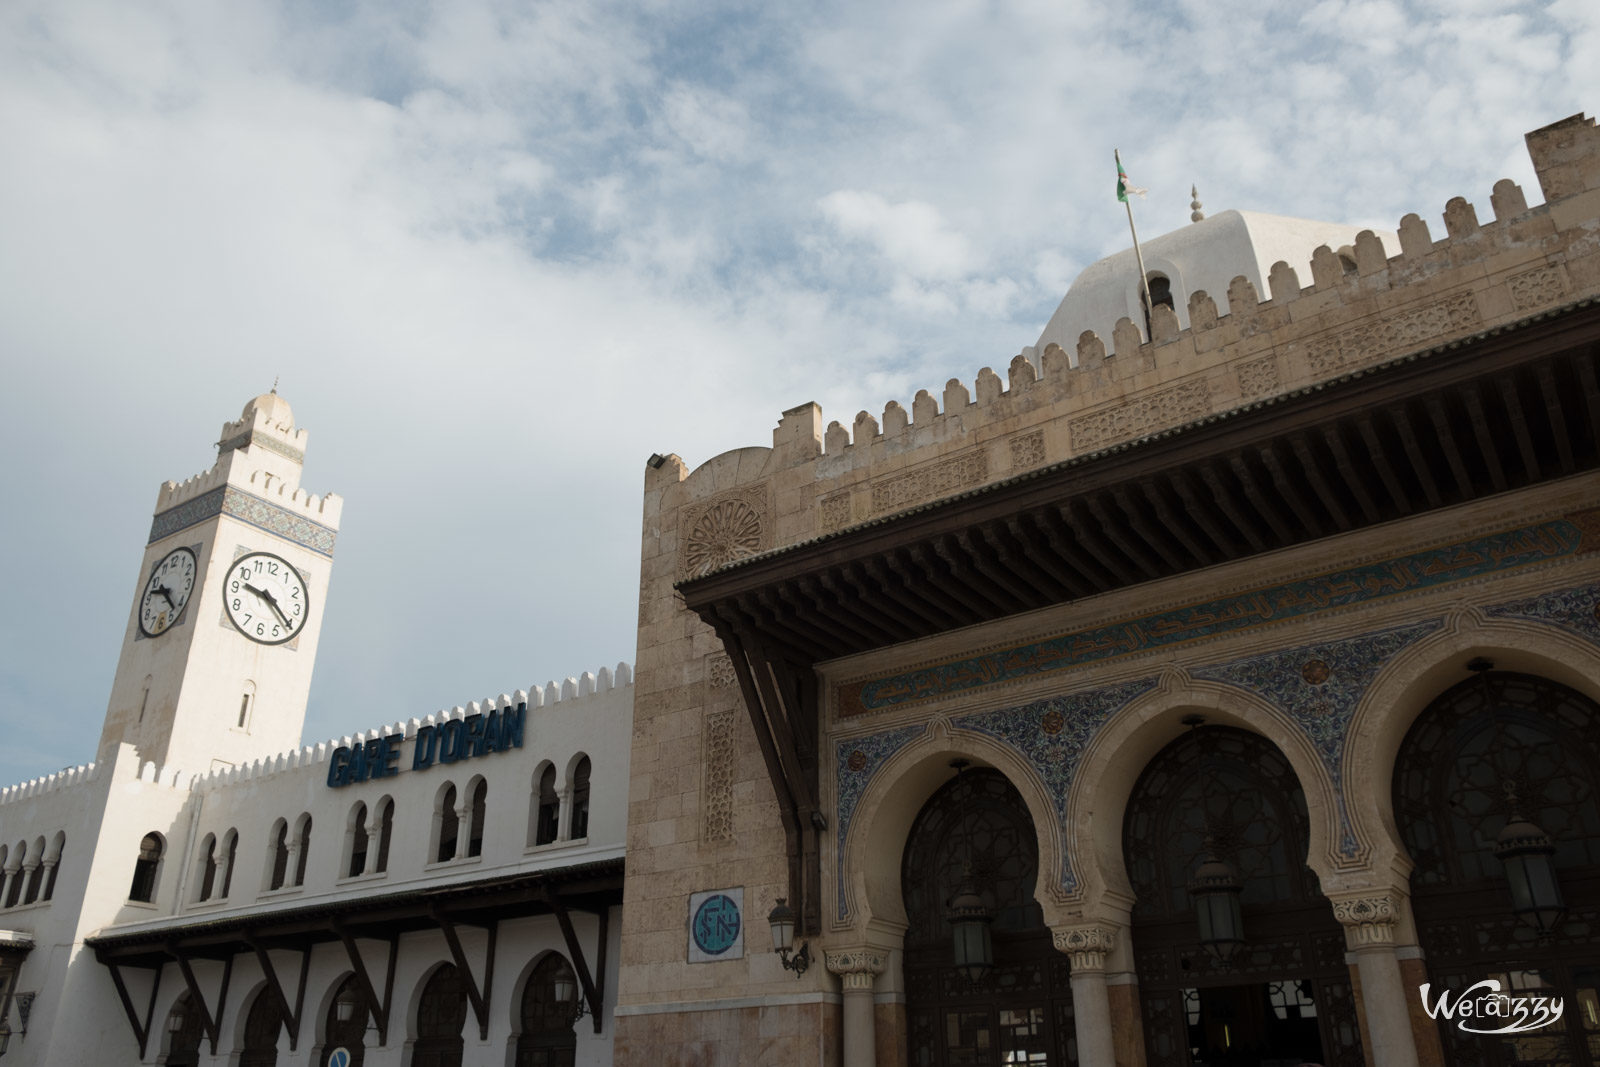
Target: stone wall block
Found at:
956, 397
989, 387
924, 408
1566, 156
1508, 200
1202, 310
1415, 241
1283, 283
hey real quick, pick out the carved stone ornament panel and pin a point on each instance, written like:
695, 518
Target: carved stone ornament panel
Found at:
1160, 410
1394, 336
725, 528
1258, 377
855, 961
1087, 945
931, 481
1536, 288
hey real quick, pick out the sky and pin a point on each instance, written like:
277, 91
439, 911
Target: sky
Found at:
497, 254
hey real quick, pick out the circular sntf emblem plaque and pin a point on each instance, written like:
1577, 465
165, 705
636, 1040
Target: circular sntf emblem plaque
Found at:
1315, 672
857, 761
716, 924
1052, 722
339, 1057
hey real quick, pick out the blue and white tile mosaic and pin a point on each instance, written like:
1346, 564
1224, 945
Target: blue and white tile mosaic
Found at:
1576, 609
1319, 687
1051, 734
858, 760
263, 514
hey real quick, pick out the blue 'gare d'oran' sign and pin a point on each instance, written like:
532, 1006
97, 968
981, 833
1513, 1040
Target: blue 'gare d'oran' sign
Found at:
448, 742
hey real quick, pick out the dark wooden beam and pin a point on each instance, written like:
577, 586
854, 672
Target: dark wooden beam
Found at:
1225, 503
973, 606
1025, 548
1319, 482
1517, 416
1485, 437
1172, 555
978, 549
378, 1008
1447, 440
1174, 523
1260, 500
1070, 551
1083, 533
575, 951
141, 1031
1558, 418
914, 580
1419, 462
210, 1021
477, 995
1380, 462
1289, 489
291, 1013
1200, 512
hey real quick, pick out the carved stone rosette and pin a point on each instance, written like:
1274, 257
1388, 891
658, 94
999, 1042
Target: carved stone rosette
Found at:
725, 528
857, 968
1368, 920
1087, 945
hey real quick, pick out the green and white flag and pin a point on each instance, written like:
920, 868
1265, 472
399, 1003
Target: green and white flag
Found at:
1123, 188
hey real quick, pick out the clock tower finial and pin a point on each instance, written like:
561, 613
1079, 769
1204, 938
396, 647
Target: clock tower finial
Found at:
217, 657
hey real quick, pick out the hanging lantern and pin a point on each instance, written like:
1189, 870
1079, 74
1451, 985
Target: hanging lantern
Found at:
1528, 856
1216, 891
566, 988
969, 927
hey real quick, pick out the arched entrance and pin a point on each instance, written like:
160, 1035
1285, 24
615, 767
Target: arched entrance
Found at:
1022, 1011
349, 1034
1285, 996
261, 1029
1450, 804
183, 1050
441, 1013
546, 1038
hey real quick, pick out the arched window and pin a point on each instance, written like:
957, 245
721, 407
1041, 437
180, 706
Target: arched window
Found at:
305, 850
385, 831
184, 1031
5, 874
280, 855
351, 1033
480, 804
358, 840
441, 1013
146, 868
231, 853
261, 1029
208, 867
15, 875
449, 825
53, 861
546, 1038
580, 800
549, 822
36, 874
1160, 294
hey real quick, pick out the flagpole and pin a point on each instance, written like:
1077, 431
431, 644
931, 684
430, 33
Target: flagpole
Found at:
1144, 282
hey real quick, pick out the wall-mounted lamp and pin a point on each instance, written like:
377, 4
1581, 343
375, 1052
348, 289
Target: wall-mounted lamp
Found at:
566, 988
1215, 887
781, 919
967, 915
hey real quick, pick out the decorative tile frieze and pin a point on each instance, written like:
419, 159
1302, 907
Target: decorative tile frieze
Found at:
1502, 551
1319, 687
1054, 756
1576, 609
857, 759
1159, 410
931, 481
227, 500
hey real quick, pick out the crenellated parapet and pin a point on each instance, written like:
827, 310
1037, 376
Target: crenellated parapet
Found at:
1338, 314
50, 783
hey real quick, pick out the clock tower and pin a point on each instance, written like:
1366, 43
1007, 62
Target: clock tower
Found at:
223, 625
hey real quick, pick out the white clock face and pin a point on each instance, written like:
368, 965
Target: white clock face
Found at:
166, 593
266, 598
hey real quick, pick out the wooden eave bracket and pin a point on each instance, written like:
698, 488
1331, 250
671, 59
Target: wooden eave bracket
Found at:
591, 989
291, 1016
210, 1021
378, 1009
478, 997
141, 1030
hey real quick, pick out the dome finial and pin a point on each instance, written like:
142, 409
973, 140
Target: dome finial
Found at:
274, 385
1195, 214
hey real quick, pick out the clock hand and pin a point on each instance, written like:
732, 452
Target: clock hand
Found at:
166, 594
272, 602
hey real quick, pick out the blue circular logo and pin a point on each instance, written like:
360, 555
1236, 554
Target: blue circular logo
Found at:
339, 1057
716, 924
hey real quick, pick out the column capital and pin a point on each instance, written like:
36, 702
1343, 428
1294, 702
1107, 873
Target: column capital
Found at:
1087, 945
856, 967
1368, 919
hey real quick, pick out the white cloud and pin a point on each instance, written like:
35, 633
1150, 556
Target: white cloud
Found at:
911, 235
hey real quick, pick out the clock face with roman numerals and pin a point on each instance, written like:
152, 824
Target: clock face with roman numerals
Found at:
166, 593
266, 598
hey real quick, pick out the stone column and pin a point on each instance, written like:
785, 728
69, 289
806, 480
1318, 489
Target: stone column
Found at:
1091, 1003
1369, 924
857, 969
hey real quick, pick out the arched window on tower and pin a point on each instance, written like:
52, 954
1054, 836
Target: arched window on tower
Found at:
549, 820
1160, 293
358, 841
53, 861
305, 850
279, 856
480, 805
35, 871
449, 825
580, 800
230, 853
147, 868
385, 830
13, 869
208, 867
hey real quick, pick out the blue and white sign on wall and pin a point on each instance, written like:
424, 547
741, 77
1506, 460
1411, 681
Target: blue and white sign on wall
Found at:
716, 925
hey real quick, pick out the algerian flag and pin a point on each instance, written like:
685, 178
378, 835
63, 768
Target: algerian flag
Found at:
1123, 188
